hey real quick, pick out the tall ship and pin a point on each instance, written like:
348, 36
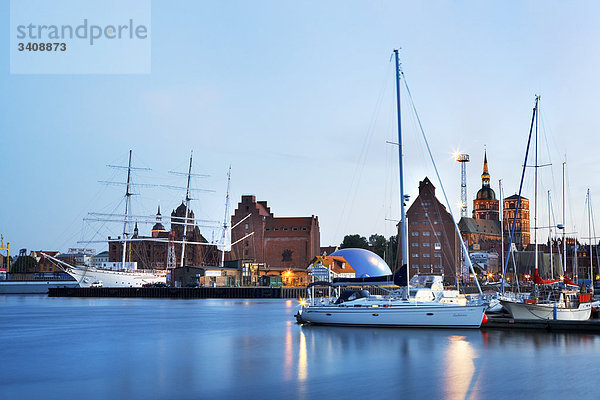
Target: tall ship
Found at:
88, 276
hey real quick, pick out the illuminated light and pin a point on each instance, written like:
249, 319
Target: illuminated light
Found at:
302, 302
562, 278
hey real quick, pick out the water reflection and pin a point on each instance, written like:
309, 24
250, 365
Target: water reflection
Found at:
460, 376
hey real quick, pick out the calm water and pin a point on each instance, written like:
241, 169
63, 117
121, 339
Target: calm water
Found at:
66, 348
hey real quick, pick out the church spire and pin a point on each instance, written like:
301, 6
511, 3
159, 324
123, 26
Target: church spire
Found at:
158, 215
485, 177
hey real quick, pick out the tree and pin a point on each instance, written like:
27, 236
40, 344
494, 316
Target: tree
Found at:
378, 245
391, 254
354, 241
24, 264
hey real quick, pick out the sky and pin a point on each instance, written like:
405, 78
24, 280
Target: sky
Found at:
298, 97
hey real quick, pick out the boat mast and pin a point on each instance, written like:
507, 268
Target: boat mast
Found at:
550, 237
564, 222
590, 238
225, 224
501, 224
127, 204
403, 225
187, 206
537, 104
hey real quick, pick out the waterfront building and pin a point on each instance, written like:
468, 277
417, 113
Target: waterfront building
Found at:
283, 245
433, 244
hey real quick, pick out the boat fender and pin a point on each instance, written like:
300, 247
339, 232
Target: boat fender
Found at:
484, 320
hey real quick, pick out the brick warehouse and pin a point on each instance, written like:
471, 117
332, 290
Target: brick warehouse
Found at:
285, 245
433, 246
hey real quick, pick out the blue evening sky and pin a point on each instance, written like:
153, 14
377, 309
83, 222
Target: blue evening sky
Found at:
298, 98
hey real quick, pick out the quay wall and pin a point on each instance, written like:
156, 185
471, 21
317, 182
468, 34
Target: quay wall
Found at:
184, 293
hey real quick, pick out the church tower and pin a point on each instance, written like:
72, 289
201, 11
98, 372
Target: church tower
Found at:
485, 205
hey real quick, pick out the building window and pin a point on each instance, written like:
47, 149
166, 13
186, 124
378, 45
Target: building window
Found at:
438, 234
303, 229
426, 255
246, 252
414, 244
246, 243
426, 214
438, 246
436, 222
267, 229
438, 255
294, 229
415, 255
425, 222
246, 226
415, 233
426, 244
276, 229
285, 229
426, 233
415, 266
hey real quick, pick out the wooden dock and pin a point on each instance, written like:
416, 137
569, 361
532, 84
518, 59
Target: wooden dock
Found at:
592, 325
255, 292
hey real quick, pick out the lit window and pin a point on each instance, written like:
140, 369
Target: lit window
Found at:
415, 233
414, 244
415, 255
438, 246
426, 233
438, 234
438, 255
426, 244
246, 226
426, 255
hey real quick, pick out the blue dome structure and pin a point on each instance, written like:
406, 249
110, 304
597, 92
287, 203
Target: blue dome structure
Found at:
365, 262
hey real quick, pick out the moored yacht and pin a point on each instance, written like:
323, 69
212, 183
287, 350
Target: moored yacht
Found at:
399, 307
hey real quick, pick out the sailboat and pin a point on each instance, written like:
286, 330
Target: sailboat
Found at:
90, 276
550, 299
398, 308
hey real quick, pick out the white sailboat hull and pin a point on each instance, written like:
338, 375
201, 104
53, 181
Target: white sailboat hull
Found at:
406, 314
549, 311
86, 276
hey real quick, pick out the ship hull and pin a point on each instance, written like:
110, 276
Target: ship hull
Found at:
87, 276
527, 311
406, 315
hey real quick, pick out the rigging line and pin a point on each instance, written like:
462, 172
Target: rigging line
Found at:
360, 162
441, 184
547, 142
512, 230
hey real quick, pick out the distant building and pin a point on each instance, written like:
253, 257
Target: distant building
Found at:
100, 259
152, 254
284, 245
433, 246
522, 235
485, 205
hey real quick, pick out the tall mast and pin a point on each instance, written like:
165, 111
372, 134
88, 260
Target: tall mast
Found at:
537, 104
225, 222
187, 206
589, 204
403, 225
564, 222
127, 201
501, 224
550, 237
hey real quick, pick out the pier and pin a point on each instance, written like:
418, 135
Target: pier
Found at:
255, 292
592, 325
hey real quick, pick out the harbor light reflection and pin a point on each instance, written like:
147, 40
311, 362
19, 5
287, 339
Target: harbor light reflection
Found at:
460, 375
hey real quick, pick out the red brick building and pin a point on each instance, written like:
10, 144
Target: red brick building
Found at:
433, 244
285, 245
522, 235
